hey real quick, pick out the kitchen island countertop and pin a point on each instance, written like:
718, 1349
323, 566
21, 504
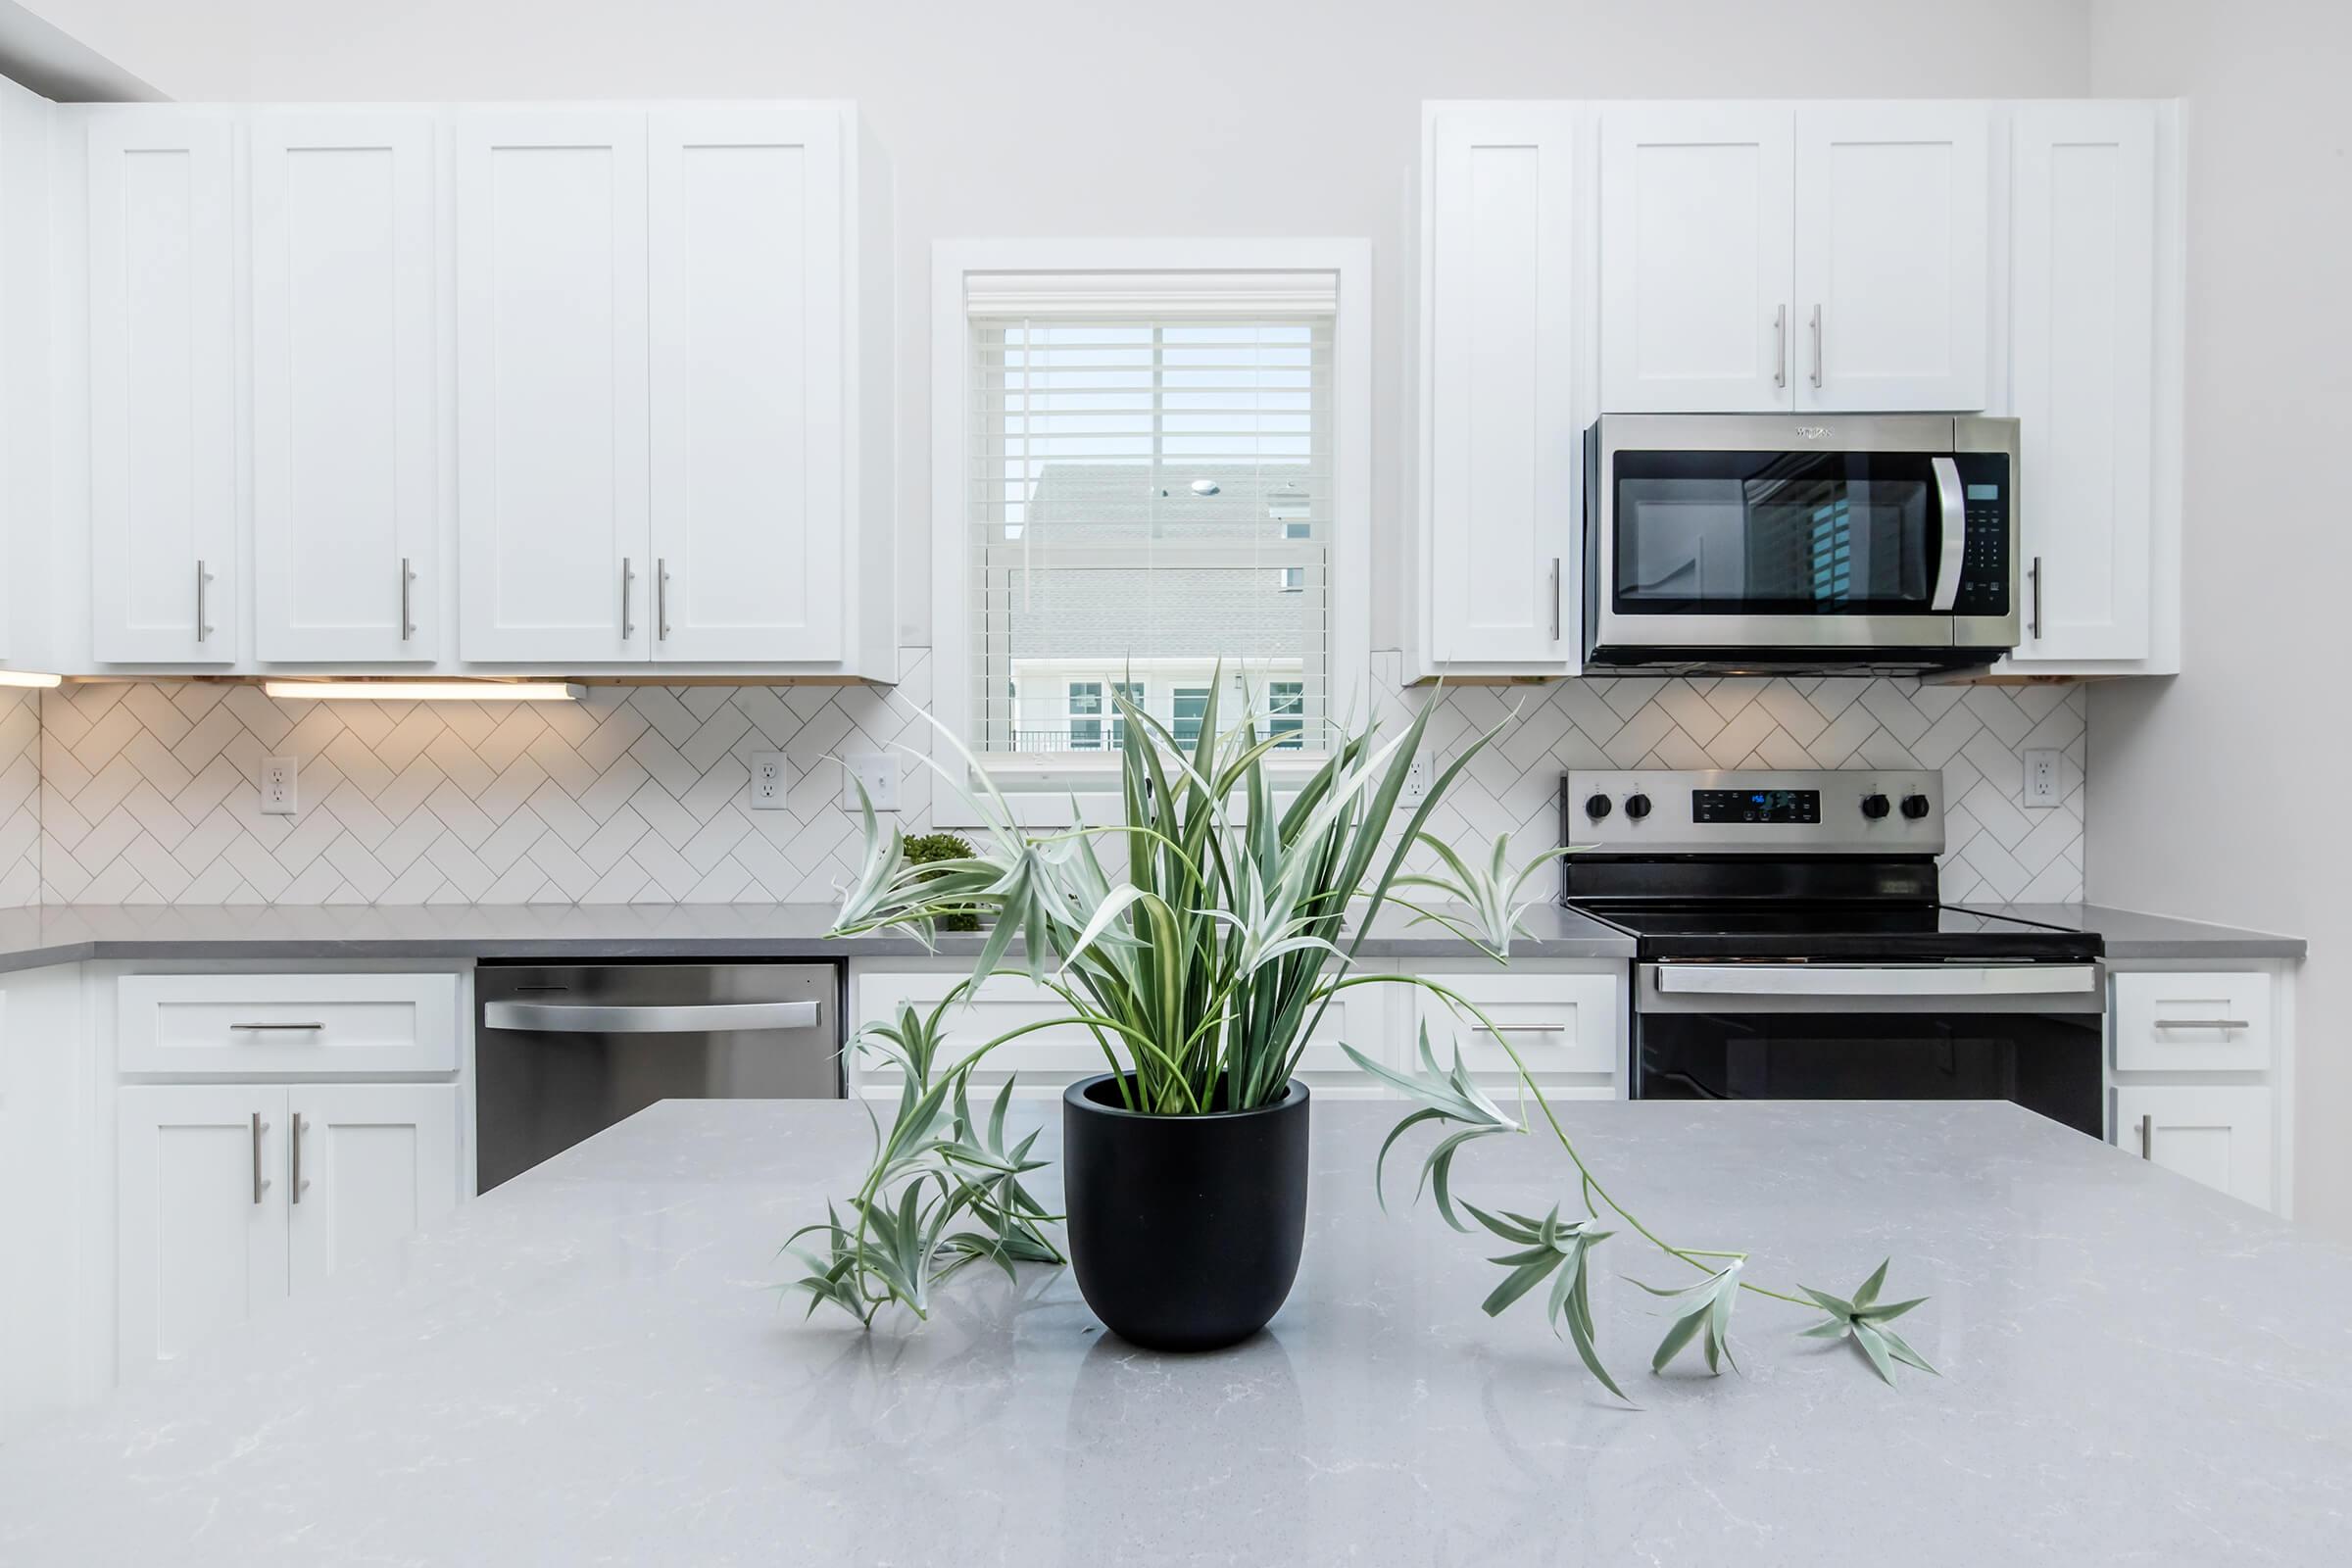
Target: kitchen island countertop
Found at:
591, 1364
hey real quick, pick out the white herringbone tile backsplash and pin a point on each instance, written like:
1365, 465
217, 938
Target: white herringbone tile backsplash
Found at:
20, 798
147, 792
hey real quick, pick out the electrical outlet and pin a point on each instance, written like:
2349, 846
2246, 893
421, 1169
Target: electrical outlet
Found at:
279, 775
767, 781
878, 771
2043, 787
1417, 780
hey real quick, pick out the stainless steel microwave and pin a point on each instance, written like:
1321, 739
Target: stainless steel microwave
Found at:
1779, 542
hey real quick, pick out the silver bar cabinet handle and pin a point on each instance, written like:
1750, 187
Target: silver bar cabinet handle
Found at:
702, 1017
629, 580
1780, 346
2203, 1023
2147, 1136
257, 1158
2033, 578
1817, 345
660, 598
294, 1182
236, 1026
203, 624
1519, 1028
408, 621
1555, 599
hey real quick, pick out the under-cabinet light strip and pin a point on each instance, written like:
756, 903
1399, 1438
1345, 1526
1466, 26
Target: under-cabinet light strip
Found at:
30, 679
424, 691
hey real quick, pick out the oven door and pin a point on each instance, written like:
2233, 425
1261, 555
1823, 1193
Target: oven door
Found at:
2027, 1033
1714, 537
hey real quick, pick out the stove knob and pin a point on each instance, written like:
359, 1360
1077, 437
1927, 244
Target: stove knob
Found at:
1636, 805
1873, 806
1597, 807
1915, 806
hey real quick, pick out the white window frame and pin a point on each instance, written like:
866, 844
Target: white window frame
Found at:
1041, 788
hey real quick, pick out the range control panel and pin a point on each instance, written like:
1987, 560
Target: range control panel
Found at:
1854, 811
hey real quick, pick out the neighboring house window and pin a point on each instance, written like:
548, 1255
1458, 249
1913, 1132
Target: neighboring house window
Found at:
1286, 706
1189, 708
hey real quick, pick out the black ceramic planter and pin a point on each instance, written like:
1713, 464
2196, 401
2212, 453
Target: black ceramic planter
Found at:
1183, 1231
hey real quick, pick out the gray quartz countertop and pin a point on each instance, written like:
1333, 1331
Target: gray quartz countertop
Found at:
2129, 934
591, 1364
72, 933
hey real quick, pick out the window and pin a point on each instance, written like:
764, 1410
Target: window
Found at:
1159, 474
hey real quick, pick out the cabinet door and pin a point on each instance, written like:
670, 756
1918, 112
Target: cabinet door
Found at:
550, 219
200, 1213
343, 426
1502, 458
2216, 1135
1893, 234
1696, 202
163, 387
745, 267
2083, 363
368, 1164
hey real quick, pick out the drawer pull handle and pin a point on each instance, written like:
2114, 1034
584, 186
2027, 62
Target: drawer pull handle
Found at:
2147, 1136
1519, 1028
277, 1026
2203, 1023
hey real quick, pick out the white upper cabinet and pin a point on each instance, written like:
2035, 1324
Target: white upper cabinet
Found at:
1893, 203
1696, 202
2084, 259
162, 386
551, 386
1497, 486
1757, 258
749, 484
344, 438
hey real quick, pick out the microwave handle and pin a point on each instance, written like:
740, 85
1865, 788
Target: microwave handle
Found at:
1952, 503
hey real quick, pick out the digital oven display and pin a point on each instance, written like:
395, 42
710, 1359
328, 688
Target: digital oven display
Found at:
1755, 805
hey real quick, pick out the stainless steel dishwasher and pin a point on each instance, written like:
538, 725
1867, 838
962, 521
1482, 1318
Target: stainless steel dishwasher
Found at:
562, 1052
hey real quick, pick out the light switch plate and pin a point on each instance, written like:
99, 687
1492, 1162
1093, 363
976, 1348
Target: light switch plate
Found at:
279, 775
878, 771
767, 781
2043, 787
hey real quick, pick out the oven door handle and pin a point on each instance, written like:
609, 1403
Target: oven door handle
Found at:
1829, 980
722, 1017
1952, 551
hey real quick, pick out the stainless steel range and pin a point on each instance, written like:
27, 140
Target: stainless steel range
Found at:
1791, 945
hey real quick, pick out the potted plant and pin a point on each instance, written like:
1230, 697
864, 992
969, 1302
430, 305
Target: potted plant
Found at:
1200, 941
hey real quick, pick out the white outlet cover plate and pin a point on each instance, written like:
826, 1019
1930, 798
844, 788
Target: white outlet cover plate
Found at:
878, 771
2045, 778
278, 783
770, 780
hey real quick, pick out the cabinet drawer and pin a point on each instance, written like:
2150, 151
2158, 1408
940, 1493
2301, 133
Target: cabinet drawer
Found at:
1559, 1024
286, 1023
1050, 1058
2202, 1022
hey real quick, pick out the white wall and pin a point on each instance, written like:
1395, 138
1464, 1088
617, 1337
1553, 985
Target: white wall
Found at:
1053, 117
2208, 798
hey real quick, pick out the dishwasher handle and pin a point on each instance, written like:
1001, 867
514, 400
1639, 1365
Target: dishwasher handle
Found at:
1926, 980
717, 1017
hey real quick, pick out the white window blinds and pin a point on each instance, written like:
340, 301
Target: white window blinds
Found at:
1150, 497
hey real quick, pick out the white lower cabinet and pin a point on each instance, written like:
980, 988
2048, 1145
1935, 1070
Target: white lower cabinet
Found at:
200, 1221
2216, 1134
232, 1197
1563, 1028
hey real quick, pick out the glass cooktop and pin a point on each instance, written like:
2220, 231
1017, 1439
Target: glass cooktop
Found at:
1841, 931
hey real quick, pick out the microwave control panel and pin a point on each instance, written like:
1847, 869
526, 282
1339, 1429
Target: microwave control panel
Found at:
1985, 480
